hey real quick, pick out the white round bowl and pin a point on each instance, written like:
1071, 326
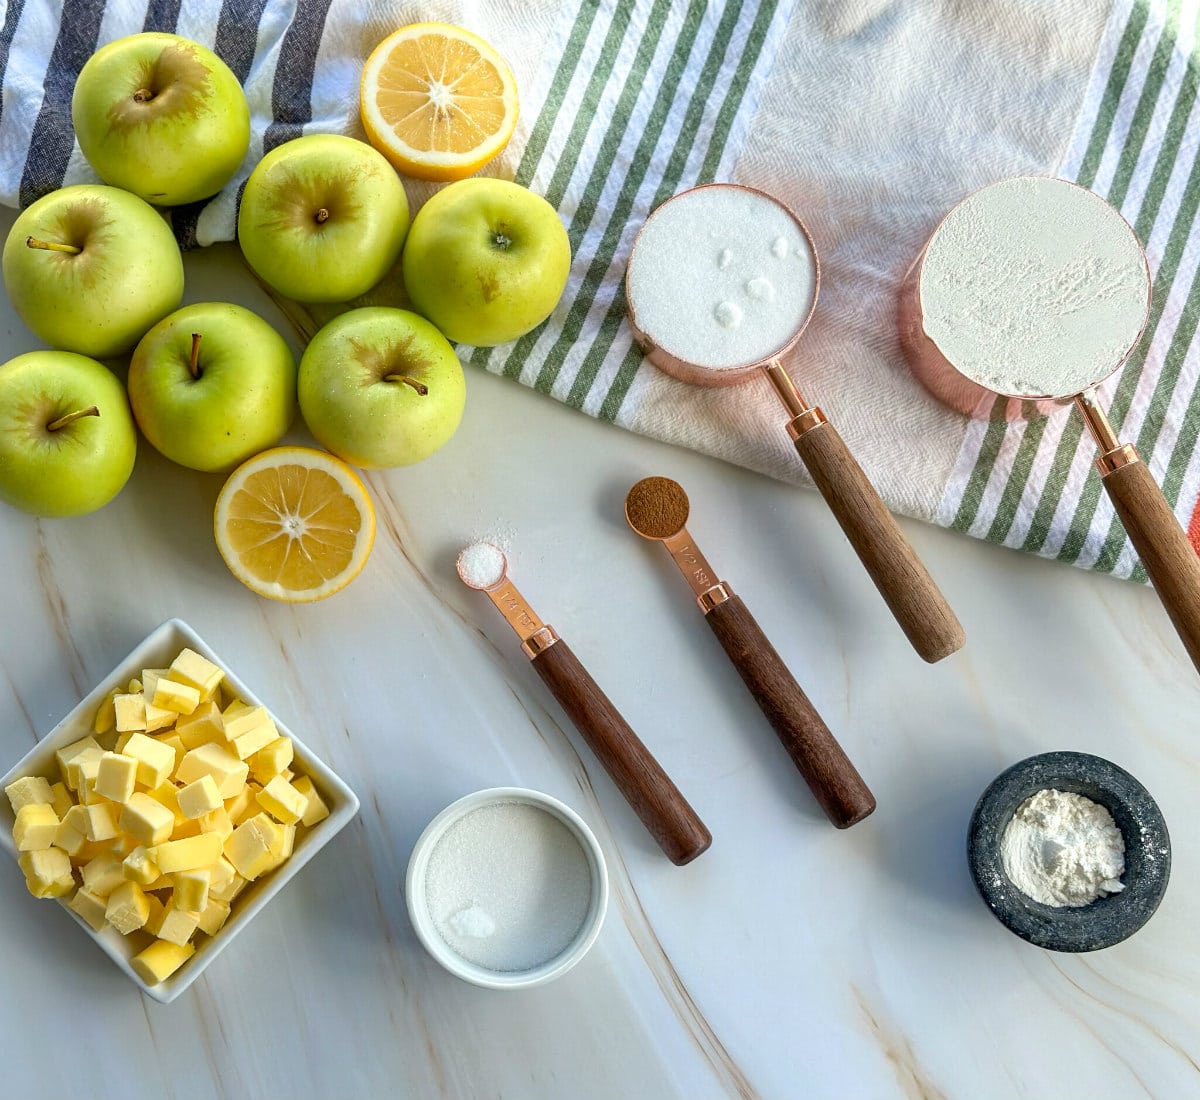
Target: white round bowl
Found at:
422, 920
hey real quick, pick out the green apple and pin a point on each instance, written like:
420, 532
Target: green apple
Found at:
211, 385
323, 218
67, 441
162, 117
486, 261
90, 268
381, 387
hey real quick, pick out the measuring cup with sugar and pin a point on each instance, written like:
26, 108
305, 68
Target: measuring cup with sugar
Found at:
1036, 290
721, 282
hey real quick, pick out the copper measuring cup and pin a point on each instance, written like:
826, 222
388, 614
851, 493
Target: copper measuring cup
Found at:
902, 580
1171, 562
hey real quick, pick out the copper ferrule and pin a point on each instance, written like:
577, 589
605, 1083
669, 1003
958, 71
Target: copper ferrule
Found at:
1124, 455
699, 574
535, 635
1113, 453
539, 641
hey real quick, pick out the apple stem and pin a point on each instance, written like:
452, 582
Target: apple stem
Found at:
71, 417
52, 246
194, 361
322, 216
420, 387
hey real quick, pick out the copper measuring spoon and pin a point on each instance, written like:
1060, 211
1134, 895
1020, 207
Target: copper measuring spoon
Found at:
657, 508
914, 599
638, 776
1170, 560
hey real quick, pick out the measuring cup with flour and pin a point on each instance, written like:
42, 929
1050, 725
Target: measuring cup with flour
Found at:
721, 282
1036, 290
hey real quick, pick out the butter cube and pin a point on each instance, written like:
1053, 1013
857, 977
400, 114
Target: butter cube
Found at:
30, 790
242, 806
103, 875
69, 840
191, 668
187, 855
127, 909
159, 718
116, 776
47, 873
105, 719
101, 822
316, 809
221, 873
150, 677
76, 818
89, 851
168, 794
83, 767
270, 760
228, 891
200, 797
160, 960
202, 726
281, 846
146, 820
60, 799
191, 890
158, 911
215, 914
87, 792
178, 925
123, 740
139, 867
130, 711
253, 845
227, 770
90, 908
217, 822
173, 695
282, 801
186, 828
64, 756
135, 686
122, 845
177, 746
35, 827
154, 759
240, 718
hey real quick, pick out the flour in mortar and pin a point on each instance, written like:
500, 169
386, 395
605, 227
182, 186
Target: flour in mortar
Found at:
1063, 849
721, 277
508, 886
1034, 287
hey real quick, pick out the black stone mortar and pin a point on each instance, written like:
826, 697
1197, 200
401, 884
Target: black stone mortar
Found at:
1107, 920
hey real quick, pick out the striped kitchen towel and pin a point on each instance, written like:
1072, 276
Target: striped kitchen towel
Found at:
869, 117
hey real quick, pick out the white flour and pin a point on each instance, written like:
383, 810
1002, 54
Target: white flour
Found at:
721, 277
1034, 287
1063, 849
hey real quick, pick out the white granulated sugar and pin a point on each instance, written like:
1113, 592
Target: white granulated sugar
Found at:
508, 886
721, 277
1034, 287
1063, 849
481, 565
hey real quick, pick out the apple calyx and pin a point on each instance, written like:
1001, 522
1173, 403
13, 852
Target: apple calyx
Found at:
501, 241
194, 360
71, 417
52, 246
420, 387
143, 95
321, 216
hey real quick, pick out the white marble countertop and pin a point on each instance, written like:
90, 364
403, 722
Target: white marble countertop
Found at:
791, 960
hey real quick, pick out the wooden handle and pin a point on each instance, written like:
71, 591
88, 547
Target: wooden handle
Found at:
903, 582
825, 766
639, 777
1169, 558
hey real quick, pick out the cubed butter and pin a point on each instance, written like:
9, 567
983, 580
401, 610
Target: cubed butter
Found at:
103, 875
187, 827
281, 846
101, 821
168, 794
76, 818
243, 805
150, 677
147, 820
30, 790
90, 908
215, 914
252, 846
35, 827
130, 711
316, 809
271, 759
105, 718
282, 801
60, 799
173, 695
47, 873
221, 873
139, 867
191, 890
159, 718
217, 822
177, 746
127, 909
69, 840
255, 739
191, 668
84, 766
228, 772
160, 960
240, 718
157, 912
188, 854
200, 797
227, 891
116, 776
154, 759
202, 726
178, 925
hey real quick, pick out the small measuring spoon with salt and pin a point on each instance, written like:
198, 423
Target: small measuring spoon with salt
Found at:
638, 775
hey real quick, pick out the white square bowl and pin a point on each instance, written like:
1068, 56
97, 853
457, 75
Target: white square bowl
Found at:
157, 651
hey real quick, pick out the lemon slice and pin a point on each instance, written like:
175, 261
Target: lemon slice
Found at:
437, 101
294, 524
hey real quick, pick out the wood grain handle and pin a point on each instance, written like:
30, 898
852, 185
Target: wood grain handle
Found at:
904, 583
1169, 558
826, 768
639, 777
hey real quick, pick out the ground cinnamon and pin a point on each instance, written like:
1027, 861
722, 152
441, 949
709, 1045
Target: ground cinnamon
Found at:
657, 507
